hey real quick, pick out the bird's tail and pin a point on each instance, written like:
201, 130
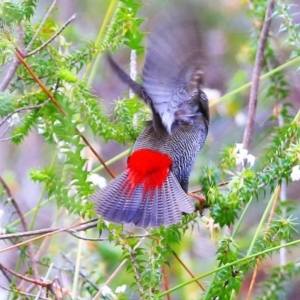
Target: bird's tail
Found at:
142, 201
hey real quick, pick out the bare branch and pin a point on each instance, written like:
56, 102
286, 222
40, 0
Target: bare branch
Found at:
84, 226
25, 278
61, 110
25, 227
15, 64
9, 138
256, 73
23, 108
41, 25
135, 266
53, 37
117, 270
186, 268
80, 273
23, 294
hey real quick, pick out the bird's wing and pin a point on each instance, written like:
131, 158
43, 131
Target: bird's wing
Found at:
172, 69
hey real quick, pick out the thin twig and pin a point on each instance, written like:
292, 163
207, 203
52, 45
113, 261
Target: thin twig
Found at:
117, 270
25, 227
255, 75
166, 280
80, 272
44, 280
191, 274
37, 238
25, 278
258, 260
80, 227
41, 25
23, 294
23, 108
104, 239
11, 137
135, 267
15, 64
53, 37
61, 110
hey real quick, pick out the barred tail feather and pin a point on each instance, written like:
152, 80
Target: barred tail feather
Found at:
120, 203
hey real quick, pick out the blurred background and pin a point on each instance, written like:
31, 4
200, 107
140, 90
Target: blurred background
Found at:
227, 29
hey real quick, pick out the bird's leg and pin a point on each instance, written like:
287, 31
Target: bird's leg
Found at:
200, 199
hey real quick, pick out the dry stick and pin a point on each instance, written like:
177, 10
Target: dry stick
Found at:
191, 274
61, 110
24, 224
253, 98
80, 273
118, 269
41, 25
166, 280
53, 37
28, 279
11, 137
22, 293
21, 109
135, 266
258, 261
14, 66
165, 275
255, 75
82, 226
38, 238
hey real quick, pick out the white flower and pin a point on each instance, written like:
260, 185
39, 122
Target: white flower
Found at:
121, 289
251, 160
212, 94
14, 120
106, 292
240, 119
295, 175
242, 156
97, 180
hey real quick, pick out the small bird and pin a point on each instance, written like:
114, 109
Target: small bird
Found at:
152, 191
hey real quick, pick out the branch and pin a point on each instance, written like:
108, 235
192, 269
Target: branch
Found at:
80, 273
23, 108
135, 266
118, 269
52, 38
38, 238
14, 66
83, 226
31, 296
190, 273
48, 285
25, 227
25, 278
11, 137
258, 260
255, 76
61, 110
41, 25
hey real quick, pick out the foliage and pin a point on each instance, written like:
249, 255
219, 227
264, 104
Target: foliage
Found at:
229, 188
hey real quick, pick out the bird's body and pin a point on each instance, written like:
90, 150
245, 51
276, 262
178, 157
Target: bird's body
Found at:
152, 190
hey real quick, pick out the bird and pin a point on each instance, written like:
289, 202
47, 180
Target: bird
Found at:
152, 191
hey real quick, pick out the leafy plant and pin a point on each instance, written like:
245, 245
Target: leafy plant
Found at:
62, 108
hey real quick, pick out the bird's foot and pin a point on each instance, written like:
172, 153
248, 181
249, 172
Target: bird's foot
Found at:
200, 199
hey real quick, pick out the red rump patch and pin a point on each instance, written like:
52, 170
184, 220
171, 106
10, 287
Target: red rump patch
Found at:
148, 167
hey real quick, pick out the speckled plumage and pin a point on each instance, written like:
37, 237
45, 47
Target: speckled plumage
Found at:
171, 86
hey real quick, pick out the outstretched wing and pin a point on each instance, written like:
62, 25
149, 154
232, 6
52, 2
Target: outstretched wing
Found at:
172, 70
